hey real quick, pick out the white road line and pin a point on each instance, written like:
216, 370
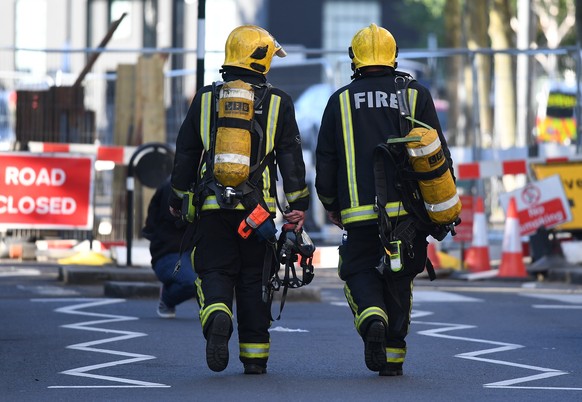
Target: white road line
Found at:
76, 309
500, 347
557, 306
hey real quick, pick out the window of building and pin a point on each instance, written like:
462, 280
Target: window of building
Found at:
116, 10
341, 20
31, 33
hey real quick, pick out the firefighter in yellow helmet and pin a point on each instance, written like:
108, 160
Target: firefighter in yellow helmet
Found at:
234, 228
357, 118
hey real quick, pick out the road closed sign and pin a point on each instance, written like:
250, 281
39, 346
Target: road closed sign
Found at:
539, 203
45, 192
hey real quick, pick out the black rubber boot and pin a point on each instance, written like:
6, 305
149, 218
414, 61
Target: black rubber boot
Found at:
374, 346
391, 370
217, 342
251, 368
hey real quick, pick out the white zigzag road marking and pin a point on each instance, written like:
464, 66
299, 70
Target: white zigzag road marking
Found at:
89, 346
500, 347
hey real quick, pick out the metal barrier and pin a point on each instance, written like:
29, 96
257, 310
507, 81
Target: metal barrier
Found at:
473, 128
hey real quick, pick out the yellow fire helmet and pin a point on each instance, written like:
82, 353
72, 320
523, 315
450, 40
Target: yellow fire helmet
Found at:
251, 47
373, 46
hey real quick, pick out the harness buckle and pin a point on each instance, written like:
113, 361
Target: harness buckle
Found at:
230, 194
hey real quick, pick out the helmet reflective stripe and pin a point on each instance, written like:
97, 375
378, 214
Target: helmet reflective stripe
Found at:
367, 313
205, 119
373, 46
426, 150
442, 206
395, 355
348, 134
254, 350
212, 308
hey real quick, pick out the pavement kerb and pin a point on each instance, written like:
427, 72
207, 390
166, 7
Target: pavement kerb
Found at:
91, 275
134, 282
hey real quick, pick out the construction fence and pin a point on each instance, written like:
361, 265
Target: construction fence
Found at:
490, 115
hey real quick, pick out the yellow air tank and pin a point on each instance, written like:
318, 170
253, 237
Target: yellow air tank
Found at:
232, 150
440, 193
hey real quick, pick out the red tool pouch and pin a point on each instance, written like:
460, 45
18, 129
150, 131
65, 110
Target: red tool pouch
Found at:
255, 219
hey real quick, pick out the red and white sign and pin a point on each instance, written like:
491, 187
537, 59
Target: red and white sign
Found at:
46, 192
540, 203
465, 229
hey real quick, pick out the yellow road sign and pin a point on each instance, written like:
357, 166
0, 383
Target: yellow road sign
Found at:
571, 176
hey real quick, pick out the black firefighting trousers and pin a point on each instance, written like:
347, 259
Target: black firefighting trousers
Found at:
227, 264
373, 296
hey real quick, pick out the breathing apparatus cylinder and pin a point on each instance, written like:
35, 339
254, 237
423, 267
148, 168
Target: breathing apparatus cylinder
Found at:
233, 138
440, 196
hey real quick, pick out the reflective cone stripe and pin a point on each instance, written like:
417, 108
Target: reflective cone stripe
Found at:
512, 255
477, 257
479, 225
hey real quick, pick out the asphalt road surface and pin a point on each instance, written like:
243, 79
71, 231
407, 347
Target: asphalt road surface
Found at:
480, 342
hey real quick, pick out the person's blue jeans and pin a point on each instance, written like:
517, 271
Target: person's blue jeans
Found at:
179, 287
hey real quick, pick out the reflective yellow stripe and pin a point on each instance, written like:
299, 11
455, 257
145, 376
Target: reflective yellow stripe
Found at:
395, 355
412, 95
207, 311
254, 350
271, 203
395, 209
367, 313
210, 203
348, 134
198, 283
294, 196
326, 200
272, 120
358, 214
350, 299
367, 212
179, 193
205, 119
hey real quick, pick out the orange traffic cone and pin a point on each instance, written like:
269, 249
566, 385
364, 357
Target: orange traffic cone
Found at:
512, 254
432, 253
477, 256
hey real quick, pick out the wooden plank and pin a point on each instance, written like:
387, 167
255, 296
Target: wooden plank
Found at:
124, 104
150, 95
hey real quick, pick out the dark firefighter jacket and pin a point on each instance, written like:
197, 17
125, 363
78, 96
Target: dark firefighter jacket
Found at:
358, 117
163, 230
276, 116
